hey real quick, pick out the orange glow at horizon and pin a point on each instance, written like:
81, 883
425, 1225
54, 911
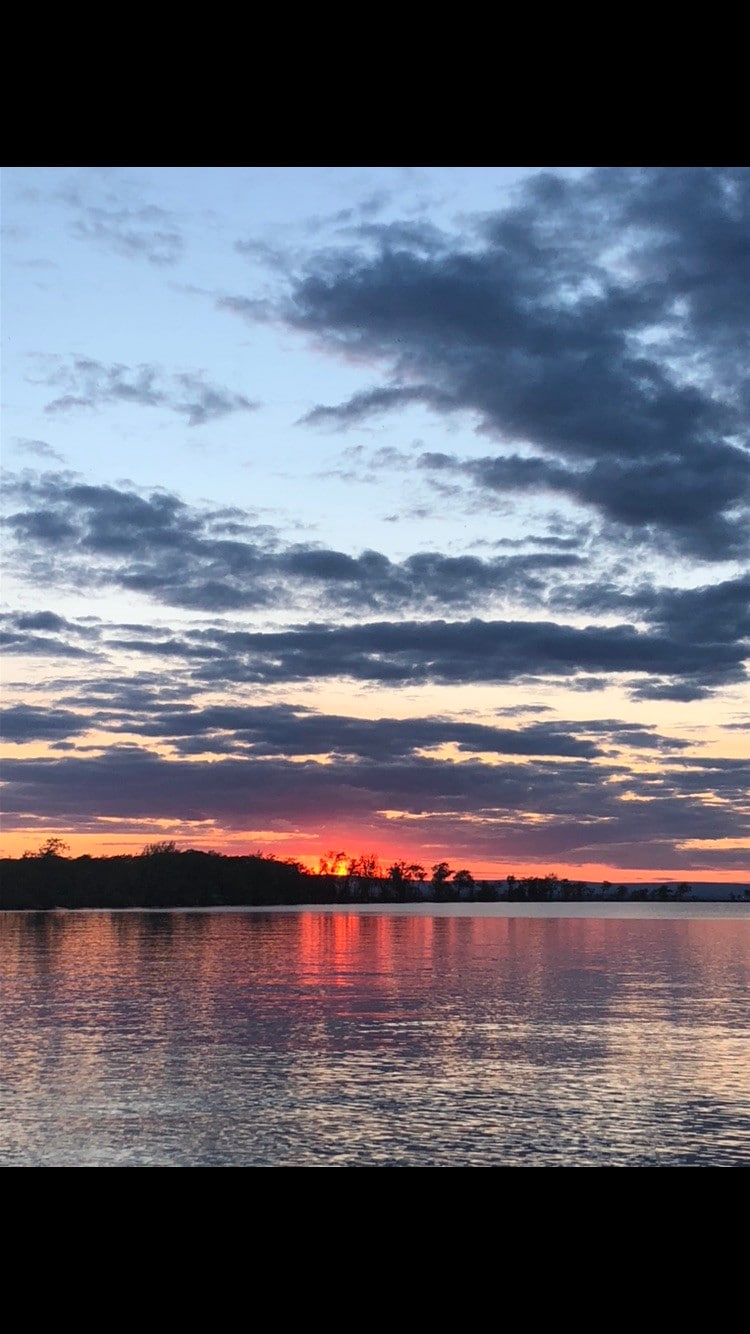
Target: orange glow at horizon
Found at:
110, 842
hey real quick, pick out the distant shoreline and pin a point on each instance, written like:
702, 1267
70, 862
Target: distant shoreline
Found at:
192, 879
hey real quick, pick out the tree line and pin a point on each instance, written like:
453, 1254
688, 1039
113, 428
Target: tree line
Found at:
163, 875
363, 879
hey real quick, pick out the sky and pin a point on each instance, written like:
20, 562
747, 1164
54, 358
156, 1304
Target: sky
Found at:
392, 509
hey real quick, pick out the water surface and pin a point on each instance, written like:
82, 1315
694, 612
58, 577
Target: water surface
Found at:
471, 1035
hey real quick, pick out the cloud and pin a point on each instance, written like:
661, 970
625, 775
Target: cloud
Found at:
217, 561
572, 810
178, 555
22, 723
91, 384
584, 352
282, 730
622, 366
449, 653
695, 499
457, 652
39, 448
149, 232
372, 401
45, 634
713, 614
168, 710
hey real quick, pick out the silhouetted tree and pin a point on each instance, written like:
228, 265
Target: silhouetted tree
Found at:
52, 847
367, 865
332, 863
441, 873
463, 882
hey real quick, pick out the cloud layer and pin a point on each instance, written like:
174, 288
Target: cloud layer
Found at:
597, 331
678, 643
502, 483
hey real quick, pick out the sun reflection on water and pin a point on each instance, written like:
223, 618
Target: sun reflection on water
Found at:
374, 1038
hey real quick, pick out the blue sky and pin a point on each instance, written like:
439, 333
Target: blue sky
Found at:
392, 508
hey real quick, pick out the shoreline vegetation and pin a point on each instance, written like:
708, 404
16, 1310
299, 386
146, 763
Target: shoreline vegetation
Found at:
164, 876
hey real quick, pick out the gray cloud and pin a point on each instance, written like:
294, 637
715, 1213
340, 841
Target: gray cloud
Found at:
154, 707
149, 232
91, 384
624, 368
22, 723
595, 336
209, 560
452, 653
718, 611
281, 730
474, 808
713, 614
474, 651
175, 554
372, 401
45, 634
554, 789
39, 448
696, 499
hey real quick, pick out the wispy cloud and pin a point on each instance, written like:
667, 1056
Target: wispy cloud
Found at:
148, 232
92, 384
39, 448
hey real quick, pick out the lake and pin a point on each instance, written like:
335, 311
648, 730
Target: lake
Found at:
457, 1035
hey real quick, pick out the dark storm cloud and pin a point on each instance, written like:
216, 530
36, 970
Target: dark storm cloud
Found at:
181, 556
91, 384
602, 321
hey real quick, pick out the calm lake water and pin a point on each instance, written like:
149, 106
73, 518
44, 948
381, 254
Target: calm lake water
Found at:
462, 1036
